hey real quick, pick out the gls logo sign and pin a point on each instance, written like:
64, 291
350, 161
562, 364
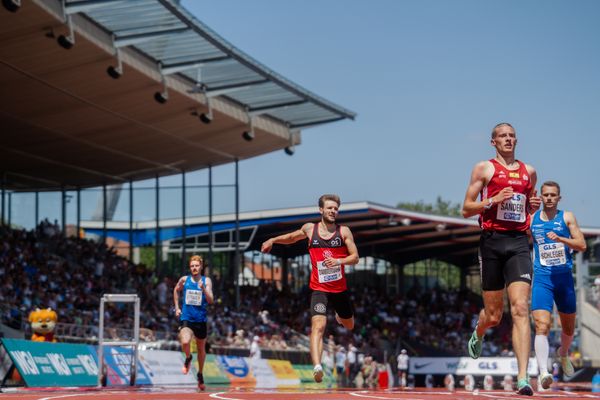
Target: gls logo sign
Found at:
488, 365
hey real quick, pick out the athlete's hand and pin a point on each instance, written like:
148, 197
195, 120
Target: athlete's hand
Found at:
200, 284
553, 236
534, 202
331, 262
266, 246
177, 312
504, 194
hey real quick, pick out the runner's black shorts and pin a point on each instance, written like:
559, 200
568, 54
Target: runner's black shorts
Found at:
504, 258
340, 302
199, 328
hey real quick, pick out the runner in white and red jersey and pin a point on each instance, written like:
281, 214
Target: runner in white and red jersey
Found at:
506, 190
331, 247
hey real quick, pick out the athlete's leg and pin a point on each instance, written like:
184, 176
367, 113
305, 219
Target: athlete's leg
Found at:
491, 315
518, 296
318, 312
318, 323
542, 320
316, 338
542, 303
344, 311
185, 337
566, 338
201, 345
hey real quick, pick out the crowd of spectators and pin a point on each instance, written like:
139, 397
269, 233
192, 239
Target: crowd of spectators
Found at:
42, 268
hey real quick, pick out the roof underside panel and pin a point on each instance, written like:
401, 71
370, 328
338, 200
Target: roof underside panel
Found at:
172, 37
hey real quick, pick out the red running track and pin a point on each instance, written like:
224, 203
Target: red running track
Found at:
183, 393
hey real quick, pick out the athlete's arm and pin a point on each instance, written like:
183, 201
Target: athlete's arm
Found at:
352, 257
480, 176
577, 240
534, 201
288, 238
208, 290
178, 288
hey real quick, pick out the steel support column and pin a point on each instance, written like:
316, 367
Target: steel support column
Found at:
63, 211
157, 241
210, 226
77, 234
104, 213
237, 259
183, 222
131, 220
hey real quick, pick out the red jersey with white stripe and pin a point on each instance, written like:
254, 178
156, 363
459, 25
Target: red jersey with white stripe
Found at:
511, 214
327, 279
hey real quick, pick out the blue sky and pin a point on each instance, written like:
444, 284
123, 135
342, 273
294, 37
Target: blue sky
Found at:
428, 79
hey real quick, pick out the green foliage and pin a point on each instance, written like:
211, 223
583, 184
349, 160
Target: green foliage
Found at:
432, 271
441, 207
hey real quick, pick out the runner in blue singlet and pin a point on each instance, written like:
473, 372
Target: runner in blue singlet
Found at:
197, 293
555, 236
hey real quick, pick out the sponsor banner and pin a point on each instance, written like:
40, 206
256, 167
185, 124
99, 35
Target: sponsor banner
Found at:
305, 373
284, 373
53, 364
237, 370
164, 367
261, 369
212, 373
118, 366
466, 365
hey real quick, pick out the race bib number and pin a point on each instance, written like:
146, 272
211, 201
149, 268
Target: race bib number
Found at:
552, 254
329, 274
513, 209
193, 297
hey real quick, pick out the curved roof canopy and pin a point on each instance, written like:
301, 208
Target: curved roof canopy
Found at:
103, 91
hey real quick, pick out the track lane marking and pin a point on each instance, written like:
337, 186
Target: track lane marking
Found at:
218, 396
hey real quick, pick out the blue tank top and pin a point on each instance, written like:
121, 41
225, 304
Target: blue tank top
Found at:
194, 301
550, 257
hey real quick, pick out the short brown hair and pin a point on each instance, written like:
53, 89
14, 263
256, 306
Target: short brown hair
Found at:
332, 197
498, 126
551, 183
196, 258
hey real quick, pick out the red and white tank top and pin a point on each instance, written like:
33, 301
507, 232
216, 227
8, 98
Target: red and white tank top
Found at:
511, 214
327, 279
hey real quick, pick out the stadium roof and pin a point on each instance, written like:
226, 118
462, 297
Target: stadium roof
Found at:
389, 233
124, 101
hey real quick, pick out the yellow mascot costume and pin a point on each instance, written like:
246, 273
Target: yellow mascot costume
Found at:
43, 323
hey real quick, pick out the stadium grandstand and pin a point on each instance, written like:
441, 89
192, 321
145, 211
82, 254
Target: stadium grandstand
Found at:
101, 100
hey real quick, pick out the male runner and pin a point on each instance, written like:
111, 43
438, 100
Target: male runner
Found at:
331, 247
197, 293
556, 235
507, 197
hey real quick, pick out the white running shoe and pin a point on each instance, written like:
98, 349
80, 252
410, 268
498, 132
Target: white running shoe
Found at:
318, 373
565, 363
546, 380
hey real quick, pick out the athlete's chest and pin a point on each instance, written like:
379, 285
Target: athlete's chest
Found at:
517, 179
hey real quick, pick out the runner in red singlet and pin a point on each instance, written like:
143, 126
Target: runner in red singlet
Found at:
331, 247
506, 188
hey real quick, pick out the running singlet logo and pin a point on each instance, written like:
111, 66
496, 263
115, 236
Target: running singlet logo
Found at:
193, 297
552, 254
513, 209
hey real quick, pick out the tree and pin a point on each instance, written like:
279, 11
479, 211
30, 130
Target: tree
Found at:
441, 207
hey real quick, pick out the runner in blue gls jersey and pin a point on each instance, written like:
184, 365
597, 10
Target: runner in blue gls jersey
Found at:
197, 293
555, 236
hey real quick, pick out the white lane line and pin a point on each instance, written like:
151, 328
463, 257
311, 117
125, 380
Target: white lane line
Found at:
218, 396
362, 394
62, 396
